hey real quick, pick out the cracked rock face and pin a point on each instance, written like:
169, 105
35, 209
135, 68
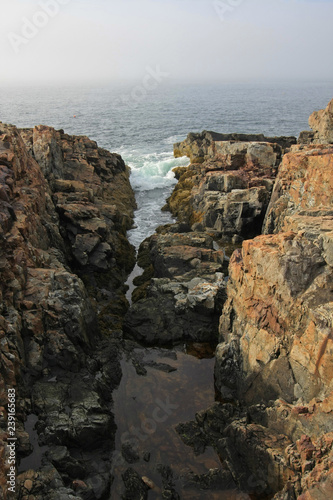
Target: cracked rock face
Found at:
184, 298
321, 123
229, 191
65, 205
276, 327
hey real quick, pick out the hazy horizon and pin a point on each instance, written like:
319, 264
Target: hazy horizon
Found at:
169, 41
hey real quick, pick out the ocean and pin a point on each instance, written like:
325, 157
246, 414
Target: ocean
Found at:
142, 124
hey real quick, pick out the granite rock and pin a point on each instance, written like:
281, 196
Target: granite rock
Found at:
65, 206
321, 123
229, 191
183, 298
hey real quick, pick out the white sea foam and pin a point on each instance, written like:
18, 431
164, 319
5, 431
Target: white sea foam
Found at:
152, 170
152, 180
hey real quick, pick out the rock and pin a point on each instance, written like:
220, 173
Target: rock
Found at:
276, 330
254, 455
65, 206
229, 191
47, 483
321, 123
303, 186
184, 299
135, 487
95, 202
168, 486
60, 457
129, 454
201, 145
192, 436
148, 482
268, 313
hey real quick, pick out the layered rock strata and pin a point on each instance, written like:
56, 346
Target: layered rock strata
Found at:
321, 123
65, 206
276, 327
229, 191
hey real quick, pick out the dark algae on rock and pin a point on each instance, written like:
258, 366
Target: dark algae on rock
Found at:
216, 382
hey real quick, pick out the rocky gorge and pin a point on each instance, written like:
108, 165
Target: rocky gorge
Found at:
245, 273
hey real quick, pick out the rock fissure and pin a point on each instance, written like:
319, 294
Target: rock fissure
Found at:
65, 207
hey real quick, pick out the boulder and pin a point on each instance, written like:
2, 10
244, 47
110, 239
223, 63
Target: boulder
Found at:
321, 123
183, 299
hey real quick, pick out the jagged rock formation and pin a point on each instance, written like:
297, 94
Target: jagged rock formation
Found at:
229, 192
321, 123
276, 327
274, 360
202, 146
182, 289
65, 206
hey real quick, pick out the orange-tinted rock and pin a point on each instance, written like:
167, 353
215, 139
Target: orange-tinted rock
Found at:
321, 123
304, 183
277, 324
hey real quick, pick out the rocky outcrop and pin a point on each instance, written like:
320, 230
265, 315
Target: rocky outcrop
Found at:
276, 327
273, 362
183, 298
321, 123
202, 146
303, 187
65, 206
63, 220
95, 203
229, 192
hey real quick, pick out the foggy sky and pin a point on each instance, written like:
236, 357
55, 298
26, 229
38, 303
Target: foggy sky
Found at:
189, 40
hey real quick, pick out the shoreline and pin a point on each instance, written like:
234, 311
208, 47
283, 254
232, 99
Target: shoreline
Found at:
66, 206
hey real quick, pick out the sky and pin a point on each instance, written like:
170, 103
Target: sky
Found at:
87, 41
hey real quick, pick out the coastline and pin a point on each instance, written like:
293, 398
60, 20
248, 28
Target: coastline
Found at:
66, 206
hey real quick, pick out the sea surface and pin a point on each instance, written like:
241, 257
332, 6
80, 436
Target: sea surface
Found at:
142, 124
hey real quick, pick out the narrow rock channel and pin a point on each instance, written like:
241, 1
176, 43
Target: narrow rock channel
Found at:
162, 387
216, 381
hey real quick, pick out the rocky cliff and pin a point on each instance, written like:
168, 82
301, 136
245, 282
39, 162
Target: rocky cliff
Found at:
247, 267
230, 191
274, 359
321, 123
65, 206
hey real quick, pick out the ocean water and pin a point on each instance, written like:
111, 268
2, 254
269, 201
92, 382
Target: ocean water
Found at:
142, 125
